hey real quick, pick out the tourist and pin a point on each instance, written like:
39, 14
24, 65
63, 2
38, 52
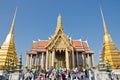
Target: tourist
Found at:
28, 75
68, 76
63, 76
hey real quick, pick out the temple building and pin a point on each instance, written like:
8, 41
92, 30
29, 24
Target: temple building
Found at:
109, 52
7, 50
60, 51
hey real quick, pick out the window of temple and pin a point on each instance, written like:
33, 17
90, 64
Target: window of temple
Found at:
44, 58
39, 57
80, 58
75, 59
33, 57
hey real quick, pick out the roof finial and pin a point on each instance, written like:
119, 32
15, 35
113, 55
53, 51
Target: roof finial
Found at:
13, 23
59, 23
104, 24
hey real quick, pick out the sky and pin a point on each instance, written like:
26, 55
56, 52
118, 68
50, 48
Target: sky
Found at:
37, 19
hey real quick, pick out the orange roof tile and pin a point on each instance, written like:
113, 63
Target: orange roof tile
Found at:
84, 44
43, 43
35, 45
76, 43
86, 47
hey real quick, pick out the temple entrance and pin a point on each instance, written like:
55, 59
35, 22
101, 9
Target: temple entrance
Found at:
60, 59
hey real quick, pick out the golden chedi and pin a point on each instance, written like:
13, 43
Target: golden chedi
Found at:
8, 50
109, 52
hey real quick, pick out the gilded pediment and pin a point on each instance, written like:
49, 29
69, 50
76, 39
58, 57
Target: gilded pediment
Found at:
60, 43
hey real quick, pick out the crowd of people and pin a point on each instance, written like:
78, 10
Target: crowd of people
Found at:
57, 74
62, 73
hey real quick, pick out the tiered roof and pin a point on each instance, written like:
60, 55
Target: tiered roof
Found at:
80, 46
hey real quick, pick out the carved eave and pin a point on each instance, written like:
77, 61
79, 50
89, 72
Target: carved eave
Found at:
32, 51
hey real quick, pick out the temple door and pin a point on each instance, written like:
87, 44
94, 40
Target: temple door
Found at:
60, 59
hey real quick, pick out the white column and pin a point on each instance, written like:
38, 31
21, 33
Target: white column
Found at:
42, 60
73, 60
88, 56
47, 58
37, 61
83, 59
30, 61
67, 59
77, 58
27, 60
92, 60
53, 57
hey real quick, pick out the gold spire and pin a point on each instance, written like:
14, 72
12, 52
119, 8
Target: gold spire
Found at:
107, 36
13, 23
59, 23
104, 24
10, 36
